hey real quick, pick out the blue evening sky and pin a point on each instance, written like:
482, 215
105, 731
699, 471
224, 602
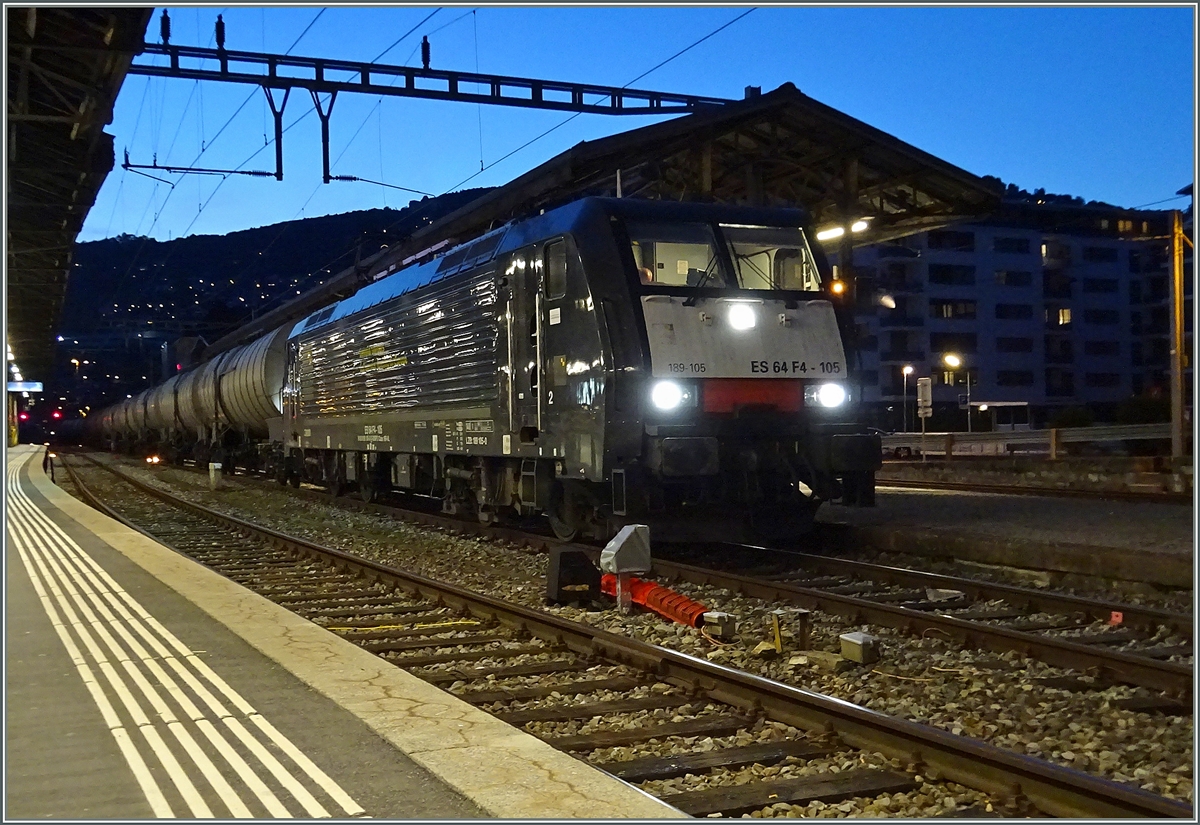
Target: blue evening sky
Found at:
1094, 102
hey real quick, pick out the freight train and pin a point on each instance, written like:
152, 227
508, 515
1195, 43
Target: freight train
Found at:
605, 362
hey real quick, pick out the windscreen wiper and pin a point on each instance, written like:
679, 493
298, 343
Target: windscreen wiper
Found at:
708, 272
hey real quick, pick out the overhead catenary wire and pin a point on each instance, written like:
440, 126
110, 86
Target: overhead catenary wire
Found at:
564, 122
1164, 200
316, 189
171, 191
306, 113
231, 119
402, 37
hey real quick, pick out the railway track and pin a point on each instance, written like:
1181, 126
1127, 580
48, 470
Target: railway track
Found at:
1055, 492
1112, 641
1059, 629
581, 682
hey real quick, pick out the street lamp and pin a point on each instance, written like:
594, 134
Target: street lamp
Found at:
953, 361
907, 371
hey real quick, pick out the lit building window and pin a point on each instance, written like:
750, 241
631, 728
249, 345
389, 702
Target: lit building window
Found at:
1064, 316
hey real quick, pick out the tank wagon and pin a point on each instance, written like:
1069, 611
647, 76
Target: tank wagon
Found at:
606, 362
215, 412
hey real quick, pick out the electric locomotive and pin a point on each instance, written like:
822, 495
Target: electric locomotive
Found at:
605, 362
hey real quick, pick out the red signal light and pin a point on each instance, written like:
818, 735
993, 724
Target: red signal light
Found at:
23, 416
56, 414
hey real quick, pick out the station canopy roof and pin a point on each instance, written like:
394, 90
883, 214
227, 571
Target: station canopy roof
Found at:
781, 148
778, 149
65, 67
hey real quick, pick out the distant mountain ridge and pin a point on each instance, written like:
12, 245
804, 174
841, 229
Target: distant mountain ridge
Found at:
211, 284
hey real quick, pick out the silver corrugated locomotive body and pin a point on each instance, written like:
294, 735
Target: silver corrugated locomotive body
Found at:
609, 361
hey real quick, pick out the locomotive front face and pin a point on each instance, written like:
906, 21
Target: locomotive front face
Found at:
747, 400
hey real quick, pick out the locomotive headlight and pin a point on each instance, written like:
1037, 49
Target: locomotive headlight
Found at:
741, 316
666, 395
671, 395
826, 395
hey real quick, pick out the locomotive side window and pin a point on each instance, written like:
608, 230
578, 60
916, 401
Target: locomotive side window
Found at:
772, 258
556, 269
682, 254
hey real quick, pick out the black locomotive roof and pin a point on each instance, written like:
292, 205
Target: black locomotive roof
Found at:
536, 228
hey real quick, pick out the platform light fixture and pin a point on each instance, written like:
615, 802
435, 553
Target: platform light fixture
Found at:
833, 232
906, 371
954, 361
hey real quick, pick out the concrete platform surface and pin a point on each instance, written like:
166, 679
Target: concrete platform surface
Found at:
1135, 541
141, 684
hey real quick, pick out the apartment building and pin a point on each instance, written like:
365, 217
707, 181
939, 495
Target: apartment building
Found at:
1049, 305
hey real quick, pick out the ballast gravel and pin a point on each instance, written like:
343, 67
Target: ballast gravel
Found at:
995, 697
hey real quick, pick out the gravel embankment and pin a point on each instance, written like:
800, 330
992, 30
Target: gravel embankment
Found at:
989, 696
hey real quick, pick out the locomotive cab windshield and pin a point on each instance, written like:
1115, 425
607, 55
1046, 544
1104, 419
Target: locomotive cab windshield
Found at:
723, 256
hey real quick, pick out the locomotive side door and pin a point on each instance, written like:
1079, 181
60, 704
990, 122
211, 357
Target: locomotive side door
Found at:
525, 351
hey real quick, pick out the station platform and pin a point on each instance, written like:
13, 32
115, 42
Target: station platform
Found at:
1145, 542
143, 685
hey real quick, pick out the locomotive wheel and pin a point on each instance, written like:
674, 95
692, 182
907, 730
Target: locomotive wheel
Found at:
368, 491
335, 478
563, 515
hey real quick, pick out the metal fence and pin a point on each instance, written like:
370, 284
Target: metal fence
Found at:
1001, 443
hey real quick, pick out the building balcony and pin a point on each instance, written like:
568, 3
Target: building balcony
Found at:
902, 286
894, 320
901, 355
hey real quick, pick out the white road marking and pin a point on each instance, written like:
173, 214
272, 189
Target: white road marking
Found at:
94, 603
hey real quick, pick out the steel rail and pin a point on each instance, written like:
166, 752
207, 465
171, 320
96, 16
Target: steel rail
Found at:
1055, 790
1122, 667
1027, 597
1053, 492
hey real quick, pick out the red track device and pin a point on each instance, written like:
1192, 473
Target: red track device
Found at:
662, 600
